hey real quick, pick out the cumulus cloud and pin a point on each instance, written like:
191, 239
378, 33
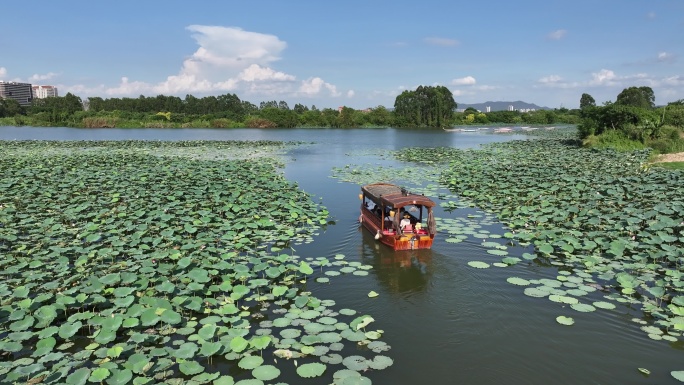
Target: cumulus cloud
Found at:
228, 59
314, 86
350, 94
464, 81
441, 41
557, 34
603, 77
3, 71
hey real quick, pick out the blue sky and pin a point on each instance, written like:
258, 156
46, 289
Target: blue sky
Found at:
354, 53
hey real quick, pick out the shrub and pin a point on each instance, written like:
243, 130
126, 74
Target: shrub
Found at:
613, 139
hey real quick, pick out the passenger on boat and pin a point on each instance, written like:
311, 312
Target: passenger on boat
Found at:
405, 223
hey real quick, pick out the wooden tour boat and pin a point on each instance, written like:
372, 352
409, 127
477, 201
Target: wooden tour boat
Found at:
398, 218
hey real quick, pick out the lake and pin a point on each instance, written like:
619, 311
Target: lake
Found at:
447, 323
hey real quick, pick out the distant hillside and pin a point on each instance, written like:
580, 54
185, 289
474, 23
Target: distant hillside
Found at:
501, 106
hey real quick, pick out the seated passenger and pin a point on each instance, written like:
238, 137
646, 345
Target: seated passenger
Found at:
405, 223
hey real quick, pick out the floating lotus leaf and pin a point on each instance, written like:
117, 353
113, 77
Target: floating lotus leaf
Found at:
186, 350
347, 312
358, 363
563, 320
119, 376
497, 252
478, 264
290, 333
190, 367
69, 329
380, 362
266, 372
99, 374
563, 299
224, 380
78, 377
518, 281
310, 370
372, 294
307, 349
678, 375
250, 362
582, 307
603, 305
332, 359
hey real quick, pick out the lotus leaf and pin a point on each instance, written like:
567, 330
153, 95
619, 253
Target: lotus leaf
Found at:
478, 264
78, 377
565, 320
99, 374
250, 362
190, 367
238, 344
310, 370
266, 372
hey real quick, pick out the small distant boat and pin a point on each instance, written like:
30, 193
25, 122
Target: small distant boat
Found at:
452, 129
469, 130
503, 130
398, 218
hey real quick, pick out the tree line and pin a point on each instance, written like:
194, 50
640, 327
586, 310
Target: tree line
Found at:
426, 106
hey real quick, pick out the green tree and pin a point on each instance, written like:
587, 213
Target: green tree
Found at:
587, 101
637, 97
10, 107
427, 106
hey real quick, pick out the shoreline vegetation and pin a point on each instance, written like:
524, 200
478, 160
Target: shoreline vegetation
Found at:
632, 122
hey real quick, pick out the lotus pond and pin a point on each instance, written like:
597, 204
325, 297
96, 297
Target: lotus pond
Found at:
197, 229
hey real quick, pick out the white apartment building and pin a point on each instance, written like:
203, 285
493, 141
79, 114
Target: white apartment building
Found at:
42, 92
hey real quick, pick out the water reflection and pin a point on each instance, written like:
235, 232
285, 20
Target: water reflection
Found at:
404, 272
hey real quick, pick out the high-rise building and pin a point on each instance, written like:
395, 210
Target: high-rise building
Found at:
42, 92
21, 92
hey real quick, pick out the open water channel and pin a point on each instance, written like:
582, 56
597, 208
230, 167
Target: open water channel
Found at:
447, 323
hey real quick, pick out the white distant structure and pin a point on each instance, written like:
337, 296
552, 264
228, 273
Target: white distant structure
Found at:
510, 107
488, 108
42, 92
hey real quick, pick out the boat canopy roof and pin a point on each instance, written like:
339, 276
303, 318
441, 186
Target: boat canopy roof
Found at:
392, 195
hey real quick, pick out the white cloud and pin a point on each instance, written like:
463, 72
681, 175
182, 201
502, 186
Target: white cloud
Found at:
258, 73
38, 77
350, 94
550, 79
464, 81
441, 41
314, 86
666, 57
674, 81
557, 34
603, 77
228, 59
3, 71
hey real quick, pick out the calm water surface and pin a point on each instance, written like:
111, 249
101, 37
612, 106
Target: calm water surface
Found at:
447, 323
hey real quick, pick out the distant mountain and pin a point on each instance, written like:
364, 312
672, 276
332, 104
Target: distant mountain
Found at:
501, 106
